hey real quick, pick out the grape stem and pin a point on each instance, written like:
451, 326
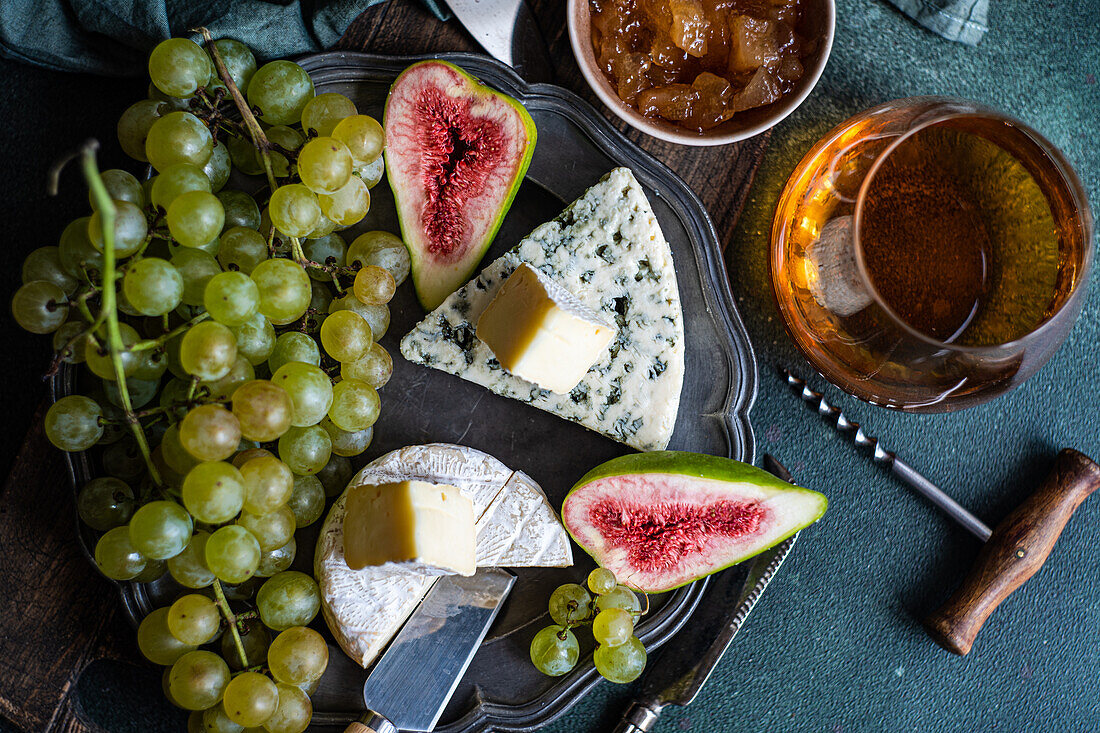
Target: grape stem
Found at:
109, 300
159, 341
231, 619
334, 270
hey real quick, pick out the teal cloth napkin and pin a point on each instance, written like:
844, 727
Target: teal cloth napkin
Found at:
115, 36
965, 21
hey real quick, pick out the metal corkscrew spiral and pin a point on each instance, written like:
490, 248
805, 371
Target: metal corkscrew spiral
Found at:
835, 417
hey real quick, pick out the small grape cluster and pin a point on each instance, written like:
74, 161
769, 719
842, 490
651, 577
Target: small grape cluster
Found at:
619, 655
197, 309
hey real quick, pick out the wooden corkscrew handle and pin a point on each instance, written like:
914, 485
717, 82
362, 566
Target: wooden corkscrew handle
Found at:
358, 727
371, 722
1016, 550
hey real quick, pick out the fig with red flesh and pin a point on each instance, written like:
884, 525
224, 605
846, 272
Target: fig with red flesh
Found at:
663, 519
456, 153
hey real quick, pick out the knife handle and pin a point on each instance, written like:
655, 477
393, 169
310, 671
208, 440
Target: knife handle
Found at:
638, 718
372, 722
1016, 550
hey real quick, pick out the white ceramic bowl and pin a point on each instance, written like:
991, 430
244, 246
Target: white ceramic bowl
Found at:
817, 24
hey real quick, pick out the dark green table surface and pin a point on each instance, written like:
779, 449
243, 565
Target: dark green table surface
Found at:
835, 645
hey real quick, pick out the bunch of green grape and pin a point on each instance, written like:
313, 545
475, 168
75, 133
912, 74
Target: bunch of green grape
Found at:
619, 655
230, 339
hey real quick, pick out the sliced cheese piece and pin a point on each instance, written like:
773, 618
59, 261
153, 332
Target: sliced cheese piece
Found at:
515, 526
607, 249
423, 527
540, 332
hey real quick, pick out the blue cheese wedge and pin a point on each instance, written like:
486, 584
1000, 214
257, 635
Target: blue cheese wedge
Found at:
606, 249
514, 525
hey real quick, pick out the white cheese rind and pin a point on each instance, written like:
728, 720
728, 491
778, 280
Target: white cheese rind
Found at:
515, 523
607, 249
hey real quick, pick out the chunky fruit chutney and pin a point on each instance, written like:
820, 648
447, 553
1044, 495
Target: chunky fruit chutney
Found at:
697, 63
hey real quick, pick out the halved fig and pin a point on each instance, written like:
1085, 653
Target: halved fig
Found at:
663, 519
456, 153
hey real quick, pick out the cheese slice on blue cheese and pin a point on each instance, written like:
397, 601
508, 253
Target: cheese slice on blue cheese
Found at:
606, 249
513, 521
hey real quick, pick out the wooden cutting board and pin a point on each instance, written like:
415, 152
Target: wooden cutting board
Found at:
58, 614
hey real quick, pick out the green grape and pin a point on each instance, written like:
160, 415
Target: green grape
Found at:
240, 210
179, 66
175, 456
287, 138
160, 529
113, 418
195, 218
134, 124
154, 570
621, 597
374, 285
309, 389
231, 298
72, 423
243, 155
363, 136
239, 373
241, 591
173, 103
63, 340
601, 581
210, 433
281, 90
277, 560
123, 460
307, 502
375, 367
371, 173
196, 268
336, 473
153, 286
294, 346
288, 599
198, 679
241, 249
40, 307
44, 263
294, 712
75, 250
129, 232
250, 699
622, 663
213, 492
348, 205
320, 300
355, 405
321, 113
178, 137
189, 567
254, 638
255, 339
294, 210
324, 165
264, 410
152, 365
210, 248
194, 718
376, 316
382, 249
554, 651
346, 336
305, 450
121, 186
208, 350
194, 619
175, 180
569, 604
297, 656
215, 720
238, 60
328, 250
612, 627
218, 168
248, 454
99, 360
156, 642
345, 443
232, 554
141, 393
271, 530
116, 557
325, 226
284, 290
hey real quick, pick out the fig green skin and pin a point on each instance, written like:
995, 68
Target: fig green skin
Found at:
696, 465
432, 288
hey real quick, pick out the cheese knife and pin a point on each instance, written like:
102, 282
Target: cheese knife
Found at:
508, 31
413, 681
677, 674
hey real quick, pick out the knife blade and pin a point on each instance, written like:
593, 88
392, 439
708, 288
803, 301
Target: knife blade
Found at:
729, 603
413, 681
508, 31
